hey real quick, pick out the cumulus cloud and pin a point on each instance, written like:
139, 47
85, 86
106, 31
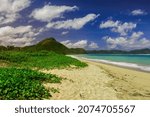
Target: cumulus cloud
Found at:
80, 44
52, 15
25, 35
109, 24
135, 41
93, 45
64, 33
138, 12
76, 23
50, 12
118, 26
17, 36
136, 35
9, 10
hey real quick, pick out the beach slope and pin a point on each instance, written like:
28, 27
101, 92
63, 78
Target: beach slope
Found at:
99, 81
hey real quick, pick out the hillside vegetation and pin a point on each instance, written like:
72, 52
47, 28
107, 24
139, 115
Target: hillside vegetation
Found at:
48, 44
39, 60
139, 51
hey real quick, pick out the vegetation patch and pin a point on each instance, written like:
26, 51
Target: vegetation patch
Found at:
24, 84
19, 81
41, 60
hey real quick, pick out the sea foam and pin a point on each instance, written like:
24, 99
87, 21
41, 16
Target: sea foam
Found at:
121, 64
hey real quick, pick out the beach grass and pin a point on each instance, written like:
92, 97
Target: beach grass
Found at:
20, 77
39, 60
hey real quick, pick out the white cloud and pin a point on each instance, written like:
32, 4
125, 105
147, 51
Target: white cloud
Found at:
76, 23
118, 26
114, 42
9, 10
124, 28
50, 12
138, 12
93, 45
109, 24
64, 33
66, 43
136, 35
135, 41
17, 36
80, 44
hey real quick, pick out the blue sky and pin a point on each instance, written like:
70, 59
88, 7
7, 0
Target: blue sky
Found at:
89, 24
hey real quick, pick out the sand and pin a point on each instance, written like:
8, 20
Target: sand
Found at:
128, 83
100, 81
3, 63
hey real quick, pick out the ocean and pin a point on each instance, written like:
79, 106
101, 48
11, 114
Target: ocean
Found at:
136, 61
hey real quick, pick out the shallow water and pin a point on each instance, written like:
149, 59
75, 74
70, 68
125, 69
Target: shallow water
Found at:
138, 61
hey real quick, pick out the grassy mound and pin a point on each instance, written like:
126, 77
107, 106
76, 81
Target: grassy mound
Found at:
42, 59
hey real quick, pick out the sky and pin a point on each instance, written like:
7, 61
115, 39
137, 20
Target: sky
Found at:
88, 24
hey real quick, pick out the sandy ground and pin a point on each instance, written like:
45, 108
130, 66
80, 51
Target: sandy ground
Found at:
100, 81
86, 83
129, 84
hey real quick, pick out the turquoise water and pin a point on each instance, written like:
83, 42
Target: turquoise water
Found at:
141, 61
128, 58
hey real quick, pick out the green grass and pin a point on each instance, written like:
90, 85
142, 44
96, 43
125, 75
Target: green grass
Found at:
24, 84
41, 60
21, 82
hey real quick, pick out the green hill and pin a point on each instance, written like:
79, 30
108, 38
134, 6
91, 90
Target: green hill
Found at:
140, 51
49, 44
2, 48
77, 51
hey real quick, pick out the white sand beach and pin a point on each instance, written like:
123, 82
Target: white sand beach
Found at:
100, 81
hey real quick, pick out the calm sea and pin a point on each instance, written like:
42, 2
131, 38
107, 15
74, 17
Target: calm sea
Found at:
138, 61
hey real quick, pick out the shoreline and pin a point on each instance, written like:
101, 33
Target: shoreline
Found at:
117, 64
101, 81
130, 84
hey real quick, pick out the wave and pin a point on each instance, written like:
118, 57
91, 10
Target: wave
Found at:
121, 64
